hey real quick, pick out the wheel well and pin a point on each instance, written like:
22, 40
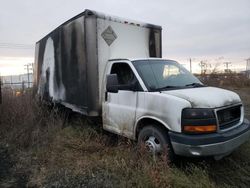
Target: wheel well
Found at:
148, 121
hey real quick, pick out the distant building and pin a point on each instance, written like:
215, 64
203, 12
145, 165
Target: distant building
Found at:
17, 81
247, 73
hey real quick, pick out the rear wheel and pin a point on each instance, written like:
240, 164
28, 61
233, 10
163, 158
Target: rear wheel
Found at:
156, 141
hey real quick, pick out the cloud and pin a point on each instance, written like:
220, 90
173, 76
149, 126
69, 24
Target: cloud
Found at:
191, 28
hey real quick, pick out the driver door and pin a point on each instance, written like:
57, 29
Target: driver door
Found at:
119, 109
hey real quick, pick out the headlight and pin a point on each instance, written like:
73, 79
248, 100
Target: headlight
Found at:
197, 113
198, 120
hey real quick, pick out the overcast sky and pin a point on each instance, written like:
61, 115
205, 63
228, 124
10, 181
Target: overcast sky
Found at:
198, 29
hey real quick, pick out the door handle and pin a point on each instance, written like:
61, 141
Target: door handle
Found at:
106, 96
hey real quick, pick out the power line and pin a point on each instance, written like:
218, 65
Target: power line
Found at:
16, 46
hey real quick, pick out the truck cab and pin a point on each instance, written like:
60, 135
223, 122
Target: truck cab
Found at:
163, 106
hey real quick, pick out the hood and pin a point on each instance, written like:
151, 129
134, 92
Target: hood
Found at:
206, 97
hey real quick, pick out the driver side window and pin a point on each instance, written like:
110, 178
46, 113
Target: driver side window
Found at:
125, 75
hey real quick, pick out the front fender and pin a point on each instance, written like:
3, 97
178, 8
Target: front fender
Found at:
140, 121
163, 108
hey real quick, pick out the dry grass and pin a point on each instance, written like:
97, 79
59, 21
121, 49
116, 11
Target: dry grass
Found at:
48, 150
39, 147
226, 80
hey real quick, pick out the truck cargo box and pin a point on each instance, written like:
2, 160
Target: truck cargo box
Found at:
70, 61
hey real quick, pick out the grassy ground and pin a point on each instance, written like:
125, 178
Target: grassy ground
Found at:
47, 148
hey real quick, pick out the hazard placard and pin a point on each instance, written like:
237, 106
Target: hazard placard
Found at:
109, 35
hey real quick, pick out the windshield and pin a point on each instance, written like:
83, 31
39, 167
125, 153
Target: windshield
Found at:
165, 74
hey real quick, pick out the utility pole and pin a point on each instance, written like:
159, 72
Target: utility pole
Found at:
27, 66
0, 90
248, 67
203, 66
227, 65
28, 74
248, 64
190, 64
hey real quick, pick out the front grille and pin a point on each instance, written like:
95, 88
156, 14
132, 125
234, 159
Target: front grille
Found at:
229, 117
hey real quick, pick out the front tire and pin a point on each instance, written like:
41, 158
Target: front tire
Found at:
156, 141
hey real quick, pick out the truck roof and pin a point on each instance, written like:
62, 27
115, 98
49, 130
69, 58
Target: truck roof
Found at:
137, 59
88, 12
113, 18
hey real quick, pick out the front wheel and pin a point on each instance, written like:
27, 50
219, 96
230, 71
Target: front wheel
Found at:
156, 141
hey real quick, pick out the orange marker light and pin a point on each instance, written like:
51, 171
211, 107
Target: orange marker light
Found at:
200, 129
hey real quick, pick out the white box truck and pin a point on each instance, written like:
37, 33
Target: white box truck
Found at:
104, 66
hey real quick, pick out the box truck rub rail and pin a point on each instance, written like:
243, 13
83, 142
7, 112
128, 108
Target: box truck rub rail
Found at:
108, 67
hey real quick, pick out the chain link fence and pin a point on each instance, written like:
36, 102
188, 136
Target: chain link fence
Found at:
14, 88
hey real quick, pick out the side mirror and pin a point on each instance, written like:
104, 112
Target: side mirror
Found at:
112, 83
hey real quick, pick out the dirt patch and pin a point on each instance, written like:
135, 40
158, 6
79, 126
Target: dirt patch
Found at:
9, 176
5, 163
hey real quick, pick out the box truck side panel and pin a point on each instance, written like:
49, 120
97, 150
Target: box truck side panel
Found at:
92, 65
62, 65
74, 65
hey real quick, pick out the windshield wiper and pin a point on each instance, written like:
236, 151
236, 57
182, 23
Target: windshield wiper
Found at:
165, 87
174, 87
196, 85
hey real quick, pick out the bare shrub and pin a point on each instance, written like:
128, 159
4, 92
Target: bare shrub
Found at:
24, 123
225, 80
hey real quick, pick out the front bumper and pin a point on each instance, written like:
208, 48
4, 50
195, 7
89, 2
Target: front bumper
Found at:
215, 144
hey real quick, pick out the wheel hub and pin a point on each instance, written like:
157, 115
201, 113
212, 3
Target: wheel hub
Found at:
153, 145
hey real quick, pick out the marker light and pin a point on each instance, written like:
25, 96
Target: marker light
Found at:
199, 129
